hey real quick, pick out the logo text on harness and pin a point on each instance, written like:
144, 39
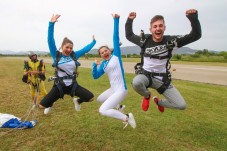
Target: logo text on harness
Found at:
160, 49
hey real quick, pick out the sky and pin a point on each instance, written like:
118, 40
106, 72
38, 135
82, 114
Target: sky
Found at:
24, 23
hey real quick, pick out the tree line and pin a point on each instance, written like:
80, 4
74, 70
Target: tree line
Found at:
200, 56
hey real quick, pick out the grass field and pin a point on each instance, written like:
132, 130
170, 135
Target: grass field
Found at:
201, 127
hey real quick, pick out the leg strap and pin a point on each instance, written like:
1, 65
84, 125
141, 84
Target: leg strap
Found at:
72, 94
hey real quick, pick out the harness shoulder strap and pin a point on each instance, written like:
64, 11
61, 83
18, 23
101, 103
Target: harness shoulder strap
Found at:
58, 56
26, 65
57, 59
41, 64
170, 44
73, 56
143, 41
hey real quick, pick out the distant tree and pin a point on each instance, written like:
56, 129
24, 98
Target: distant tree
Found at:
129, 55
177, 57
222, 53
225, 56
200, 52
195, 55
205, 52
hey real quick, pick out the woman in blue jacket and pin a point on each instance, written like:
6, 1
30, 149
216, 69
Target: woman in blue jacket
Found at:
65, 64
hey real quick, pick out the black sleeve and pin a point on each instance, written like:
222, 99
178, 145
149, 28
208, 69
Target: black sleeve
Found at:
195, 33
129, 33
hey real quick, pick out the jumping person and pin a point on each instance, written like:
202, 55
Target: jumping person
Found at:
65, 64
113, 67
157, 52
34, 75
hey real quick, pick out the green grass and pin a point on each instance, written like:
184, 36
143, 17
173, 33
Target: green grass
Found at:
203, 58
201, 127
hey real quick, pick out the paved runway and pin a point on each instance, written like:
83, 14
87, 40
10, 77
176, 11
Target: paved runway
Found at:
197, 73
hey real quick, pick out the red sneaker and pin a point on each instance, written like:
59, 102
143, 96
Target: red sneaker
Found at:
160, 108
146, 103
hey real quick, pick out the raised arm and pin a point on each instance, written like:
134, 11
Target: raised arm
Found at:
128, 29
50, 37
196, 31
86, 49
116, 39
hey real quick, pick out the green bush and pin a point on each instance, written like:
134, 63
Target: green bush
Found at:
176, 57
225, 56
195, 55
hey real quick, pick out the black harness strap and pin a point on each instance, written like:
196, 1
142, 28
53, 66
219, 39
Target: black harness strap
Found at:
165, 79
72, 94
164, 86
138, 67
159, 57
143, 41
25, 77
59, 80
42, 76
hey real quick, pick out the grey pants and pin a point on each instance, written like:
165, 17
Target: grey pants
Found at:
173, 98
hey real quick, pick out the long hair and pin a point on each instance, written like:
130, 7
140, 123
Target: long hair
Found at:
65, 41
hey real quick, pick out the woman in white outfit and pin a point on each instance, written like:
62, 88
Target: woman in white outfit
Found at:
113, 67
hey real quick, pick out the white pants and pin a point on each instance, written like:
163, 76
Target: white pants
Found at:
110, 100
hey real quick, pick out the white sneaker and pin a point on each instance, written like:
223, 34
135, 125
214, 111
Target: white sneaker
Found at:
121, 108
34, 122
131, 121
77, 104
47, 110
